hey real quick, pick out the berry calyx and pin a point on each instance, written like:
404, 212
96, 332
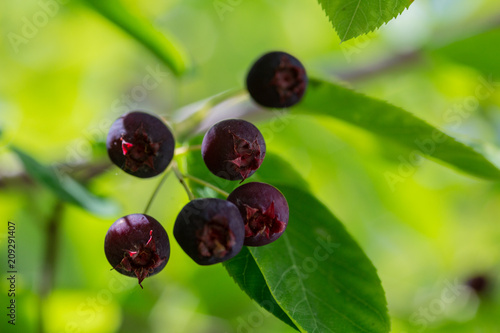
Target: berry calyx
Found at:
264, 210
215, 239
141, 151
140, 144
137, 245
277, 80
262, 222
233, 149
209, 230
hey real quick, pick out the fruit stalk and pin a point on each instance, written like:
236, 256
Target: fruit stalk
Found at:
157, 189
207, 184
180, 177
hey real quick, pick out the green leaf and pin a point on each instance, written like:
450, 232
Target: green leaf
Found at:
352, 18
315, 277
248, 276
479, 51
389, 121
159, 43
322, 279
275, 169
65, 187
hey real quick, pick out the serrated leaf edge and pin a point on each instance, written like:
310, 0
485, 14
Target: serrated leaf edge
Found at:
343, 38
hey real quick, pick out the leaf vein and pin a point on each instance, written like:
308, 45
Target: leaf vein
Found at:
337, 311
352, 19
304, 291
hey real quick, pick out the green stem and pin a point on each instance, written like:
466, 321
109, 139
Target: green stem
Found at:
179, 176
157, 189
183, 150
207, 184
187, 126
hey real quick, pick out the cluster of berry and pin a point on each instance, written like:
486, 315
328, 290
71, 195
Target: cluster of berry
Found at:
209, 230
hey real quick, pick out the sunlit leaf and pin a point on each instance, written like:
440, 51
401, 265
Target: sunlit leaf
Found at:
248, 276
352, 18
381, 118
322, 280
159, 43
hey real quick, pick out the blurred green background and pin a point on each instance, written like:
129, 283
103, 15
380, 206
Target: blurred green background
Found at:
62, 86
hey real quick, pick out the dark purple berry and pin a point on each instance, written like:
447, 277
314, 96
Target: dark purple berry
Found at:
140, 144
209, 230
137, 245
478, 283
233, 149
264, 210
277, 80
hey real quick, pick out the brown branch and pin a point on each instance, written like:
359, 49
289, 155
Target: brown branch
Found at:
51, 249
82, 172
382, 66
52, 231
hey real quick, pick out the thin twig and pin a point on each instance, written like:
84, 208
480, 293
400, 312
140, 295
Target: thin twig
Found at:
82, 172
204, 183
157, 189
383, 66
179, 176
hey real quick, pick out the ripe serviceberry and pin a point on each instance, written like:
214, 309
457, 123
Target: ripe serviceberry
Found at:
277, 80
233, 149
209, 230
140, 144
137, 245
264, 210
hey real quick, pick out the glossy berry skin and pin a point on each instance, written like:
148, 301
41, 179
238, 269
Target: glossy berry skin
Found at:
140, 144
264, 210
137, 245
233, 149
277, 80
209, 230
